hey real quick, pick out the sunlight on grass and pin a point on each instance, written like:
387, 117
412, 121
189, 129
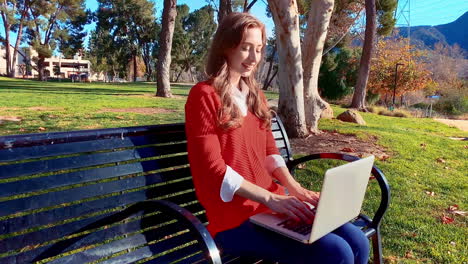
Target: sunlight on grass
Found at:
423, 159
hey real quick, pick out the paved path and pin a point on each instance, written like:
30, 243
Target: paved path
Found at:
461, 124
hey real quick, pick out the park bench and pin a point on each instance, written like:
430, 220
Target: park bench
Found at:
119, 195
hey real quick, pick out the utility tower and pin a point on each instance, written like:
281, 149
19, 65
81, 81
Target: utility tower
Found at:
403, 18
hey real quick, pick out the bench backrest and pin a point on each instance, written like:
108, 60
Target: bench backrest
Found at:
55, 187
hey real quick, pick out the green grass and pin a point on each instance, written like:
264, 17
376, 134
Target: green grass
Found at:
71, 106
413, 222
412, 230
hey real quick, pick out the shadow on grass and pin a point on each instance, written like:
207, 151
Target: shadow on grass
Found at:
34, 87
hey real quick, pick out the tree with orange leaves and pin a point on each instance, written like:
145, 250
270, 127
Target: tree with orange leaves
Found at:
397, 69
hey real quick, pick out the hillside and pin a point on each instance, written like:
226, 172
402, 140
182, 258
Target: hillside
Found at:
451, 33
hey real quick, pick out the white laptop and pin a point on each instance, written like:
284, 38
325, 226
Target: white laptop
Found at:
340, 201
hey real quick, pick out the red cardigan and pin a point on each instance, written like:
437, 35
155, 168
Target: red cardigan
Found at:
210, 149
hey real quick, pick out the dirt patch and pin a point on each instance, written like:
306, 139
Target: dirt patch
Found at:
460, 124
150, 95
34, 108
43, 108
329, 141
140, 110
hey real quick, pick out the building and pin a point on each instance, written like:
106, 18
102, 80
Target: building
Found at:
76, 68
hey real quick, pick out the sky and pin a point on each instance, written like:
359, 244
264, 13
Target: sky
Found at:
412, 12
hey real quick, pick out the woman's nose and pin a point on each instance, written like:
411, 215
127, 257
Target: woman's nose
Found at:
253, 56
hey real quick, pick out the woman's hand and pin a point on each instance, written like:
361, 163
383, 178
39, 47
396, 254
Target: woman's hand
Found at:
291, 206
295, 189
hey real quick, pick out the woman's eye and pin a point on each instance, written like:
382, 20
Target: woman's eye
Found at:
245, 48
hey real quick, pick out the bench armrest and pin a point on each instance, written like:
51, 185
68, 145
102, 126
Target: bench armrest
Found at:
192, 222
167, 208
376, 172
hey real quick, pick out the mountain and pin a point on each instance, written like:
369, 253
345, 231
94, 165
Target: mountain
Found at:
451, 33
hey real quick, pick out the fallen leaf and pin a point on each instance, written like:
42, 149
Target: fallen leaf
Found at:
454, 209
391, 259
409, 254
410, 234
453, 243
423, 145
301, 166
430, 193
383, 157
348, 150
446, 167
22, 129
440, 160
120, 117
446, 220
11, 118
42, 128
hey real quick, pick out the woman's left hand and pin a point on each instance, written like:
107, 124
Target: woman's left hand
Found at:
303, 194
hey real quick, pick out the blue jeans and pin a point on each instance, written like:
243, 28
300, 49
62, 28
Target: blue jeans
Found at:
347, 244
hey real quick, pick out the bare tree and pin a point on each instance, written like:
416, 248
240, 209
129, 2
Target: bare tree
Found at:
314, 41
164, 57
300, 104
225, 8
291, 102
359, 97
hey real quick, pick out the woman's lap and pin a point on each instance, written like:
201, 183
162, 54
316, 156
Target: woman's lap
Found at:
347, 244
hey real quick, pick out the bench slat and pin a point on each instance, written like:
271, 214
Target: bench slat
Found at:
76, 162
89, 191
280, 143
85, 240
164, 132
76, 177
103, 250
277, 135
53, 216
177, 255
274, 125
18, 154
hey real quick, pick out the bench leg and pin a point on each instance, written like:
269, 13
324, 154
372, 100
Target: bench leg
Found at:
377, 247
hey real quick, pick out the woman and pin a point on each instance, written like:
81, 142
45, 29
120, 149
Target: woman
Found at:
234, 160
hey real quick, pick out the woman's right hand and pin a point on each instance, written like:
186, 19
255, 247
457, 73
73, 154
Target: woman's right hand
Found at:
291, 206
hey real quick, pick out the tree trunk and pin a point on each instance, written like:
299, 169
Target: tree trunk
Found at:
270, 67
291, 101
135, 68
6, 41
178, 75
359, 96
225, 8
314, 40
40, 68
18, 40
164, 56
271, 79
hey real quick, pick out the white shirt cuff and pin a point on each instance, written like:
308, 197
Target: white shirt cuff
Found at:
272, 162
231, 183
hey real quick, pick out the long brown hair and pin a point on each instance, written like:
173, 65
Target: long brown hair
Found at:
228, 36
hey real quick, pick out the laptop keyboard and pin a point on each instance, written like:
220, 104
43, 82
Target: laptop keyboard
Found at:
298, 227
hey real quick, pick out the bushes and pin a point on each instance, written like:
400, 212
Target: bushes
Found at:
384, 111
452, 105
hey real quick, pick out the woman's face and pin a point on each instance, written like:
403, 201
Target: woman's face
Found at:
243, 59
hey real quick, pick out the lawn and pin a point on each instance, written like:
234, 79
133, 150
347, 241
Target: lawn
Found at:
426, 169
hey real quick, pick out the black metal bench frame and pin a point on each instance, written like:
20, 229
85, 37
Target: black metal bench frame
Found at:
119, 195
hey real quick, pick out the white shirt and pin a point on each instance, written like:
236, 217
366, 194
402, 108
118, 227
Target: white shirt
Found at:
233, 180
